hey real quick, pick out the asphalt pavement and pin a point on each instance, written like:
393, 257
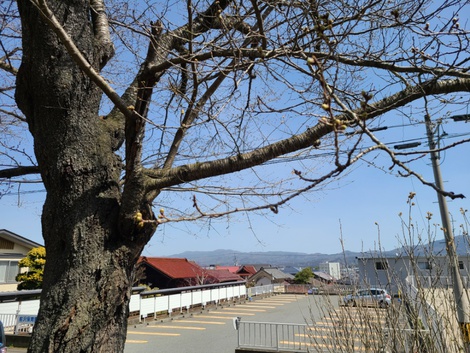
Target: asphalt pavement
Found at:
212, 331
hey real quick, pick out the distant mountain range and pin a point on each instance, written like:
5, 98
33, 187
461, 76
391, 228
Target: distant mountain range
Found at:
224, 257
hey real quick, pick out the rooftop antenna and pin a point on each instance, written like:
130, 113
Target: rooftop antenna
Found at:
235, 260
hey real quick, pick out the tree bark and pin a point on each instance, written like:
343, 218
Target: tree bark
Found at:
89, 265
89, 218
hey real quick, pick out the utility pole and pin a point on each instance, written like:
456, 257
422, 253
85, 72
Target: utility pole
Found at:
460, 295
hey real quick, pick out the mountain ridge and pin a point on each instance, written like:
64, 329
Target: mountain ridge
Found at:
228, 257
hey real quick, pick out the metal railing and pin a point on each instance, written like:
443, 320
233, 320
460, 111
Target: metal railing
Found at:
269, 336
9, 321
273, 336
261, 290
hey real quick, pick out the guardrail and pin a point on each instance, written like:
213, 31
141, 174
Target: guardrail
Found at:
273, 336
299, 338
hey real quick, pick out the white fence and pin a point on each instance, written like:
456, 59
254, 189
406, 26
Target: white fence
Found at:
18, 315
180, 299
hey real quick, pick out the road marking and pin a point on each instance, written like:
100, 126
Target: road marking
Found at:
231, 313
280, 300
340, 340
153, 333
136, 341
242, 309
219, 317
180, 327
321, 345
268, 303
202, 322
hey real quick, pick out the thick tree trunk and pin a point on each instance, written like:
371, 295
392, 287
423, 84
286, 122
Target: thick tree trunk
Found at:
88, 276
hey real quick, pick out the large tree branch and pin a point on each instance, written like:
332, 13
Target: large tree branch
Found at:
18, 171
160, 46
193, 113
101, 30
283, 52
158, 179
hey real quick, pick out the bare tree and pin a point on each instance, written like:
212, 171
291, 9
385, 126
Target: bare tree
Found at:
127, 105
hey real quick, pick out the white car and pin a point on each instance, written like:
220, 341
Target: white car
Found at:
369, 297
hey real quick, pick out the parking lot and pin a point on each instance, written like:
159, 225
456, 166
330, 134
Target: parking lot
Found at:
331, 327
213, 332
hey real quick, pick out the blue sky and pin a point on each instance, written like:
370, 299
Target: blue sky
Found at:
359, 207
363, 208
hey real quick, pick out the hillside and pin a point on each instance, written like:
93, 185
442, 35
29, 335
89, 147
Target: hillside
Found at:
226, 257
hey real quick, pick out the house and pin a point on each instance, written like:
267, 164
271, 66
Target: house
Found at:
323, 277
13, 248
231, 269
267, 276
164, 273
292, 270
247, 271
221, 276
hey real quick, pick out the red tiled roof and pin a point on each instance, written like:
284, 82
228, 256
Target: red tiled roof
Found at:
223, 275
247, 269
232, 269
174, 267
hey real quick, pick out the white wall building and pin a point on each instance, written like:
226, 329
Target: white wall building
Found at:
396, 273
13, 248
331, 268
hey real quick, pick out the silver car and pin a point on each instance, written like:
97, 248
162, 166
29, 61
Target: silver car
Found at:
369, 297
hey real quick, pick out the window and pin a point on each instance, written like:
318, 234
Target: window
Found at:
424, 265
461, 266
381, 265
8, 271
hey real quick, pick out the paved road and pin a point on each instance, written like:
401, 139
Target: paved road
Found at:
213, 332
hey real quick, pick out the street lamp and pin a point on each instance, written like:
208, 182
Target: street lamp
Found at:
407, 145
463, 117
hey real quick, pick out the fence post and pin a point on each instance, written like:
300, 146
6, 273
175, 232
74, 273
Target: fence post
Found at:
277, 337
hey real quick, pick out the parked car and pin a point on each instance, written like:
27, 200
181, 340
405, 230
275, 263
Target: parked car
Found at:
369, 297
313, 290
3, 348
